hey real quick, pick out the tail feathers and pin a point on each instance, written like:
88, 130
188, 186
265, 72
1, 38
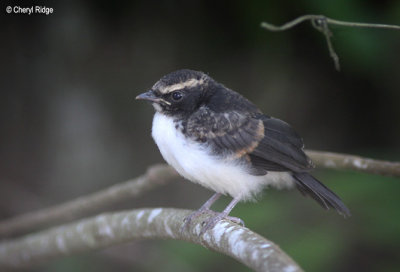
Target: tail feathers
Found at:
310, 186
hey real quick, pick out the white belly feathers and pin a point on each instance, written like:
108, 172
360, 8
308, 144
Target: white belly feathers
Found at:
193, 161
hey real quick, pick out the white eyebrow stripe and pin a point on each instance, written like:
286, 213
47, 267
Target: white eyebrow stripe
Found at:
190, 83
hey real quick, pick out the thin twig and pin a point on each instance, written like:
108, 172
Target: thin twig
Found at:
322, 26
311, 17
81, 206
320, 22
110, 229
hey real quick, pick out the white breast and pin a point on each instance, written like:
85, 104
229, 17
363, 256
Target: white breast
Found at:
193, 162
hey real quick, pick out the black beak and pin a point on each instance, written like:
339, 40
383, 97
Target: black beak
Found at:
149, 96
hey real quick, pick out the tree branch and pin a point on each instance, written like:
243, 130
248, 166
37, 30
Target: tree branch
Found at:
320, 22
161, 174
351, 162
113, 228
110, 229
155, 176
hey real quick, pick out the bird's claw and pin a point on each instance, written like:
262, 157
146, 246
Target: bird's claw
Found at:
211, 222
188, 219
236, 220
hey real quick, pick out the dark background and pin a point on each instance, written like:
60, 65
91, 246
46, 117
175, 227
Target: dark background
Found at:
69, 124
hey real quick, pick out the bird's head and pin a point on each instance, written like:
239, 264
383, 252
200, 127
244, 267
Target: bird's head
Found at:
180, 92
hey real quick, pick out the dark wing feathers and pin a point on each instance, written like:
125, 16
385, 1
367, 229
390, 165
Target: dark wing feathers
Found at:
282, 145
231, 132
282, 130
263, 166
268, 143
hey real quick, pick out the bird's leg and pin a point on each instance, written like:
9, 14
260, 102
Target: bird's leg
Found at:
206, 207
222, 215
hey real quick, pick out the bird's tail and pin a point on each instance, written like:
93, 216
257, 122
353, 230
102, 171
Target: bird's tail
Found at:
310, 186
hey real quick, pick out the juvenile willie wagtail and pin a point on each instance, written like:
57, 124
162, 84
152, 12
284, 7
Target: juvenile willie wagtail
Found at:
215, 137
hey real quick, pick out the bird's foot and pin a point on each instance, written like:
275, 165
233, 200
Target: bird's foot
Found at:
188, 219
211, 222
217, 216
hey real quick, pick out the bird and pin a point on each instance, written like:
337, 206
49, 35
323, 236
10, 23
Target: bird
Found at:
215, 137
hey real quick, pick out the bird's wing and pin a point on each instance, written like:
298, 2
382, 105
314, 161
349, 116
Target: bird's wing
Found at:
280, 145
228, 132
268, 144
283, 146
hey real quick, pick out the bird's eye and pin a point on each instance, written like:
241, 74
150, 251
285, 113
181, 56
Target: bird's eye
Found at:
177, 96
